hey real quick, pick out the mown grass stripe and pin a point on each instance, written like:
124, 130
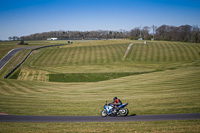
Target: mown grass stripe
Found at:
72, 56
119, 51
143, 59
102, 55
152, 55
113, 53
45, 53
104, 58
129, 55
3, 90
76, 56
31, 87
193, 51
189, 56
51, 59
174, 47
197, 50
35, 59
107, 54
134, 52
68, 56
98, 54
146, 53
157, 52
163, 53
86, 56
10, 89
169, 53
93, 55
140, 52
90, 55
83, 55
22, 88
122, 49
172, 57
60, 56
179, 53
183, 56
137, 53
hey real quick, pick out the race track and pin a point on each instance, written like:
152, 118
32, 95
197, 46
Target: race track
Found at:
22, 118
10, 54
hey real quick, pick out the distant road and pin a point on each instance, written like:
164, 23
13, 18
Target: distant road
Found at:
164, 117
10, 54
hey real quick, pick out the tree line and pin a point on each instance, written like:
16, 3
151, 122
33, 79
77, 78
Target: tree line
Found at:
184, 33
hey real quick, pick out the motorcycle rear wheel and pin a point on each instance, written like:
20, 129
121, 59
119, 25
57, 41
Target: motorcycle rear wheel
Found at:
104, 113
124, 112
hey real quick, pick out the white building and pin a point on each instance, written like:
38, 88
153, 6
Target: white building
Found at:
49, 39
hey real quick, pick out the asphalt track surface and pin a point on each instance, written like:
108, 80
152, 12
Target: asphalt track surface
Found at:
10, 54
58, 119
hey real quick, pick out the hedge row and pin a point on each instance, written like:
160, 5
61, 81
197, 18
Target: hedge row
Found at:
89, 77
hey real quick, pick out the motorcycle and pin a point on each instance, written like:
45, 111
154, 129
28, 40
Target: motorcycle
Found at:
110, 110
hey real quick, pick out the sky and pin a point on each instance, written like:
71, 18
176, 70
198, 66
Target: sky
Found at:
25, 17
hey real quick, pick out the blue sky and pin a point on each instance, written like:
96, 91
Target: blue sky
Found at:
24, 17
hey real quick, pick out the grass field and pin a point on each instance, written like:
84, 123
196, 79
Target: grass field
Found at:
189, 126
175, 89
165, 92
156, 52
101, 57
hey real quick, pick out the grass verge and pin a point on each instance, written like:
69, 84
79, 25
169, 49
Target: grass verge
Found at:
15, 74
164, 92
179, 126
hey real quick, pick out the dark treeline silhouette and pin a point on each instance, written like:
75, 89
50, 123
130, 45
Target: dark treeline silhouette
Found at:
184, 33
61, 35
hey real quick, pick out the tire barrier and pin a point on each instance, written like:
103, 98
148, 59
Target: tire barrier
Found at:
28, 56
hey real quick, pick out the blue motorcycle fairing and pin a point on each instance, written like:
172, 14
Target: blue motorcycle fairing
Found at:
123, 105
108, 108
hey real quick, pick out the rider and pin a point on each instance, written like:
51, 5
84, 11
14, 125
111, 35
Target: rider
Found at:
117, 102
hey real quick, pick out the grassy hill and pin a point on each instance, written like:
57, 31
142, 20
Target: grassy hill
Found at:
107, 57
137, 78
157, 52
167, 81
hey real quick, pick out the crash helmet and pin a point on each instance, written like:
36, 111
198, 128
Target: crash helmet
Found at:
114, 98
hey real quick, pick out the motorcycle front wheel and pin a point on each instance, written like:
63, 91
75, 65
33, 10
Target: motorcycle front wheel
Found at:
124, 112
104, 113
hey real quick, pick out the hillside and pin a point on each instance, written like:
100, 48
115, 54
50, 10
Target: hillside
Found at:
107, 57
167, 79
